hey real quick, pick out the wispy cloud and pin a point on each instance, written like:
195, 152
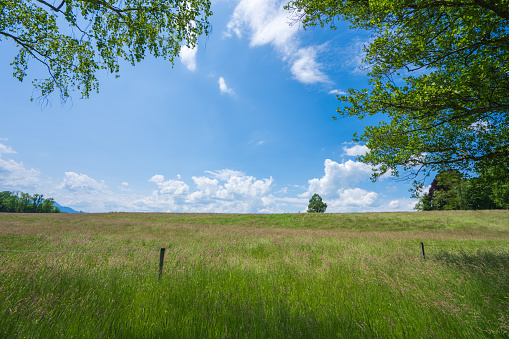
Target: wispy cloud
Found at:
306, 69
223, 88
337, 92
4, 149
355, 150
267, 22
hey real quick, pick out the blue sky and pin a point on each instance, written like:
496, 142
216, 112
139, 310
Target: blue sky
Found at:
240, 124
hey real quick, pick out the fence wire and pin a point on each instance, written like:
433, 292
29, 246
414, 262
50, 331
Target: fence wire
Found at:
78, 252
87, 252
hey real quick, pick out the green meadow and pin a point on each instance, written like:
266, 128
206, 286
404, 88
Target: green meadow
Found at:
255, 276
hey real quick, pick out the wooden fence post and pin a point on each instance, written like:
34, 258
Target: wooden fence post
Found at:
422, 251
161, 262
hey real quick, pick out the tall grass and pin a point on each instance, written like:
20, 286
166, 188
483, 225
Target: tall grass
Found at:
238, 276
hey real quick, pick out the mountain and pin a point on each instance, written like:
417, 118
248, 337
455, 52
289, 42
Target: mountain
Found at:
64, 209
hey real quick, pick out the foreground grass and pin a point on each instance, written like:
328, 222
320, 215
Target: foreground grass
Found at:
255, 276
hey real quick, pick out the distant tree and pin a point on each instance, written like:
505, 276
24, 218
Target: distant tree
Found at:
490, 189
49, 207
424, 203
23, 205
19, 202
450, 190
37, 200
316, 205
4, 201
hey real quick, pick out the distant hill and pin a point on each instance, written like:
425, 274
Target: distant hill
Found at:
64, 209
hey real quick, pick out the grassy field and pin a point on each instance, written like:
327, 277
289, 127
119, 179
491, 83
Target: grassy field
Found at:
255, 276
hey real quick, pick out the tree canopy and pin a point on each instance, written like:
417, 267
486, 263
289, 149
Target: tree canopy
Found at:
316, 205
19, 202
451, 190
74, 39
439, 74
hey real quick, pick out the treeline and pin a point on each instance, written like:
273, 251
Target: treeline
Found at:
19, 202
453, 191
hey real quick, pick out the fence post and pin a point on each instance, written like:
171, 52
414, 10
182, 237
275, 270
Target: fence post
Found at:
161, 262
422, 251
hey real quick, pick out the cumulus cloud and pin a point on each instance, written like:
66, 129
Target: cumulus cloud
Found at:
338, 176
355, 150
220, 191
267, 23
188, 57
81, 182
174, 187
394, 204
354, 200
223, 88
225, 191
357, 197
14, 174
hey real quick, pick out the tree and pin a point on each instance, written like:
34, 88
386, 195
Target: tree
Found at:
37, 200
19, 202
438, 73
490, 189
448, 191
316, 205
48, 207
74, 39
451, 190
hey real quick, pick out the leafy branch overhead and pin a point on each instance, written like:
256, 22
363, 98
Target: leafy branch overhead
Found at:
74, 39
438, 74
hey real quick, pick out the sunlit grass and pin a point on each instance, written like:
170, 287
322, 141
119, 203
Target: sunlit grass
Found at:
256, 276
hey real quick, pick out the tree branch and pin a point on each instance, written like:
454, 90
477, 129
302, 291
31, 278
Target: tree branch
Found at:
56, 9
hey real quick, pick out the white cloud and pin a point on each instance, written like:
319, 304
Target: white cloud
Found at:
353, 200
158, 178
357, 197
337, 92
394, 204
338, 176
80, 182
225, 191
223, 88
13, 174
220, 191
6, 149
355, 150
306, 69
267, 23
173, 187
124, 187
266, 20
188, 57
